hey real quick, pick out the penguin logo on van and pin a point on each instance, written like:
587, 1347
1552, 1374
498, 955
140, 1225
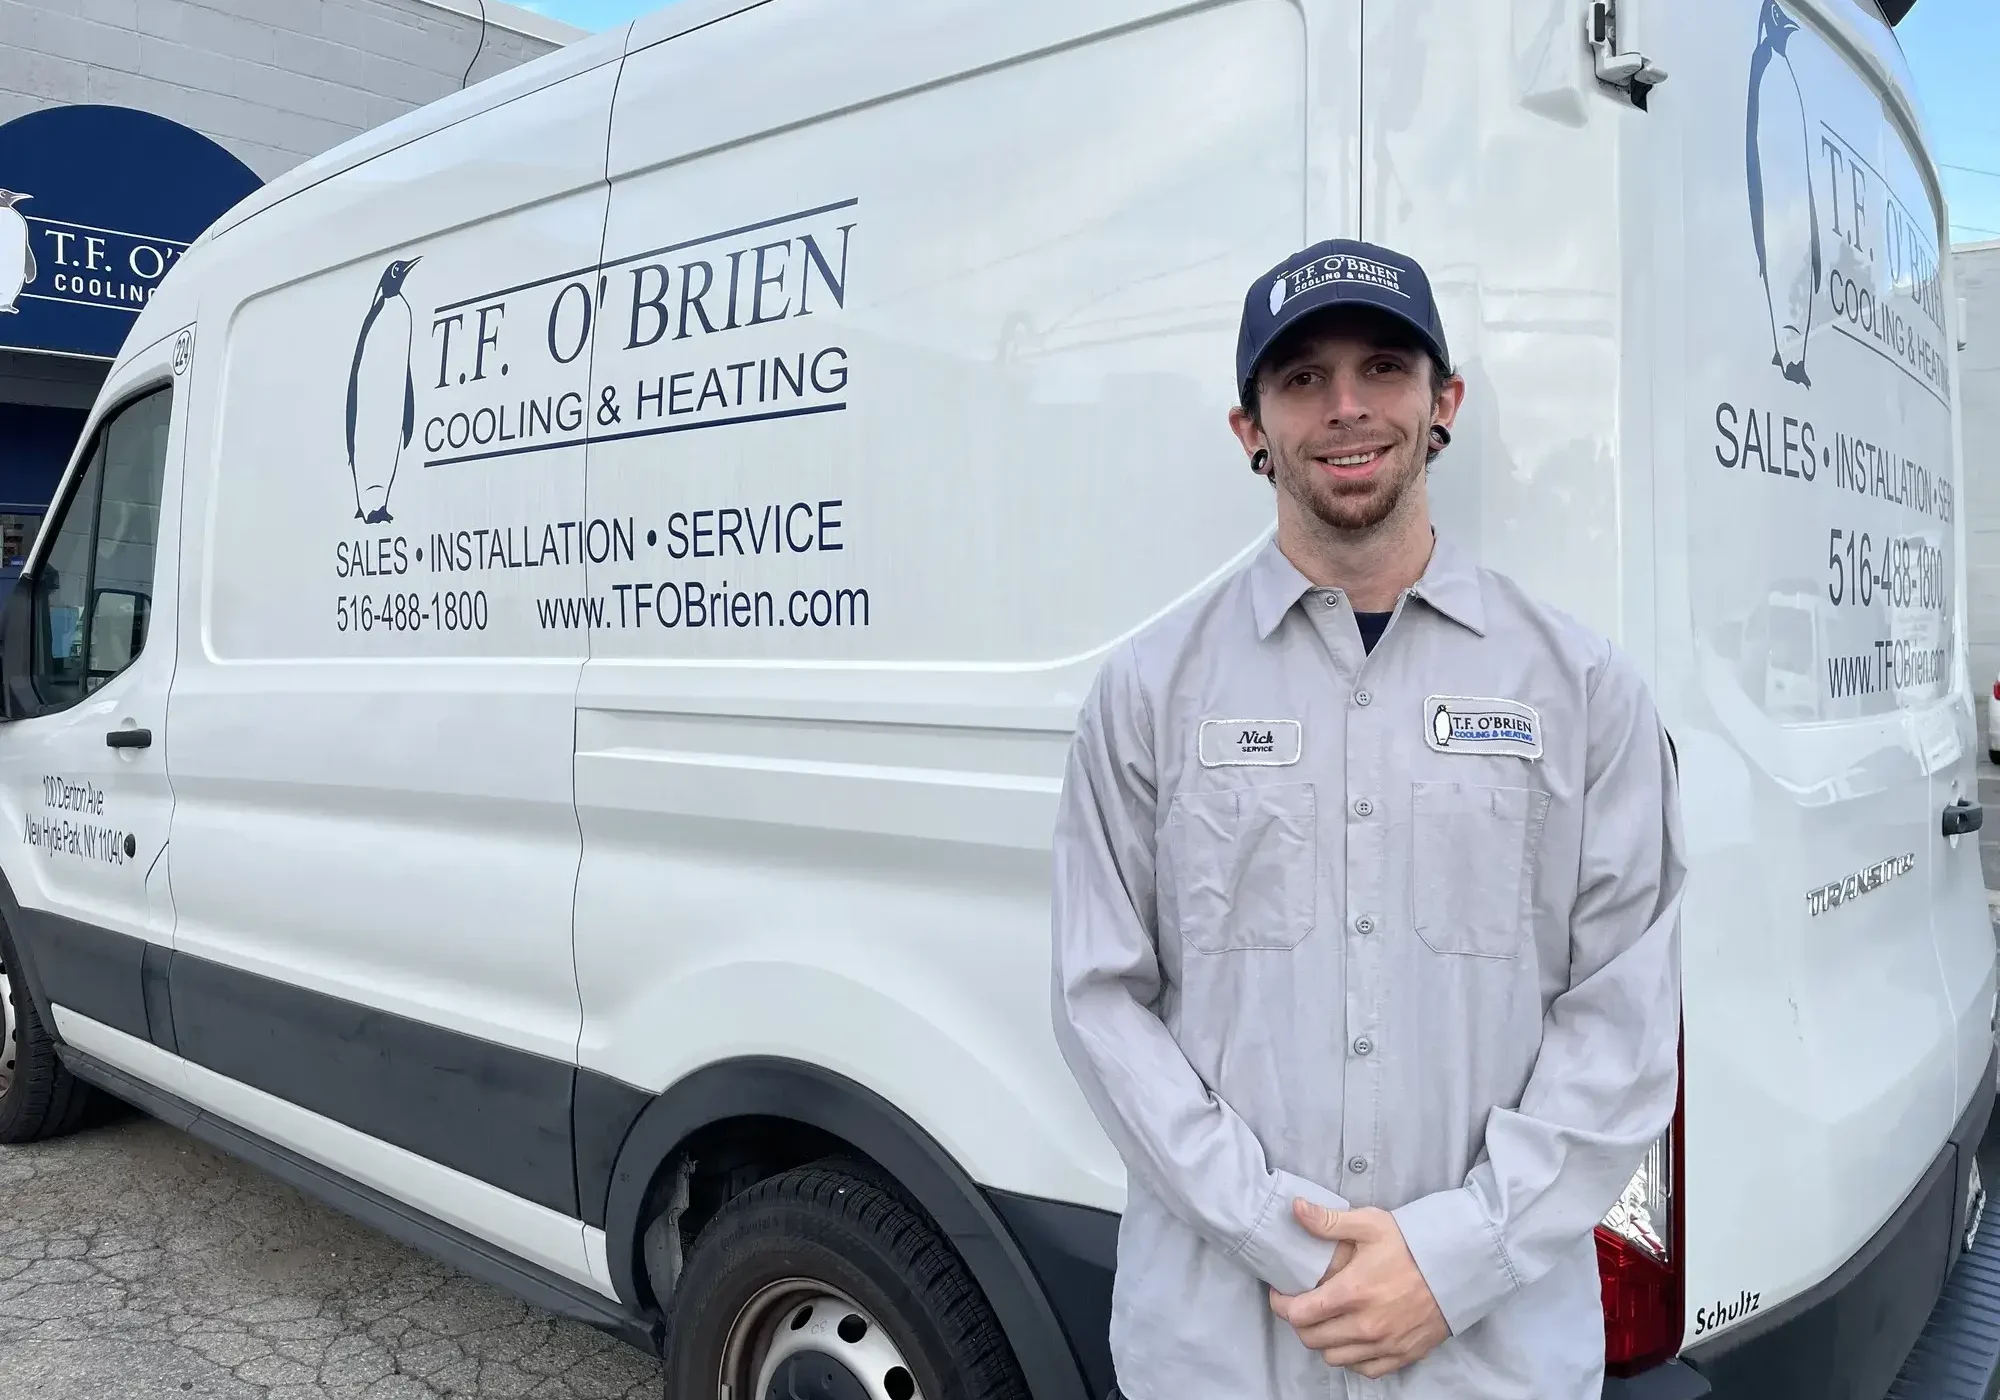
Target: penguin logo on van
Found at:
17, 255
1784, 216
381, 396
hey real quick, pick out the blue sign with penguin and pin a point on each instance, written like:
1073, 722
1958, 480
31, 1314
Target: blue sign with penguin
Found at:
97, 204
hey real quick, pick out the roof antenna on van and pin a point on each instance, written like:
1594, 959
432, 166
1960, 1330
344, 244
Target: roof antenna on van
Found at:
478, 50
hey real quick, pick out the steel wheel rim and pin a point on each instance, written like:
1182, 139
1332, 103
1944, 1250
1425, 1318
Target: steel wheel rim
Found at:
9, 1032
802, 1318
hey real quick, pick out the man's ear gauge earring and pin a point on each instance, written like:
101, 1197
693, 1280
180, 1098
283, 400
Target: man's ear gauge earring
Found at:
1440, 436
1259, 460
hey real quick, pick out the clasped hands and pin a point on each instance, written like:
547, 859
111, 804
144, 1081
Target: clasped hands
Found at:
1372, 1312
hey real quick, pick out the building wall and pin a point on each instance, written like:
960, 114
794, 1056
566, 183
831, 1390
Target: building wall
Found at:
1976, 268
274, 81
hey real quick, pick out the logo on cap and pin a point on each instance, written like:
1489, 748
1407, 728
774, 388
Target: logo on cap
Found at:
1339, 267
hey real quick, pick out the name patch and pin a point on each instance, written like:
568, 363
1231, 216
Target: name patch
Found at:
1482, 724
1250, 743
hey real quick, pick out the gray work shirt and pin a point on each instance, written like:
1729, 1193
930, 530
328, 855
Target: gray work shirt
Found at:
1391, 929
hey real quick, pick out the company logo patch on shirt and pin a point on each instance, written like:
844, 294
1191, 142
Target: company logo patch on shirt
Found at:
1251, 743
1482, 724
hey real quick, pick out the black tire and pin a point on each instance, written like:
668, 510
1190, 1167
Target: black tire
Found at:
1994, 754
39, 1098
820, 1228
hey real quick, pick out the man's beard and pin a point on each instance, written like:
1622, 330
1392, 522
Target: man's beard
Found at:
1349, 506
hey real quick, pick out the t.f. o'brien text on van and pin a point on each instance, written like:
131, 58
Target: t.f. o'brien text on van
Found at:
1885, 287
710, 331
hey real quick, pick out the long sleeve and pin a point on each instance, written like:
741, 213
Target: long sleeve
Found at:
1603, 1084
1190, 1150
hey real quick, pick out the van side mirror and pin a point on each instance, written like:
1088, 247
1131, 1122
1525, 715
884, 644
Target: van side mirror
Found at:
117, 632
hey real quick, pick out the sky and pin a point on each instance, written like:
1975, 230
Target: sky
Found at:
1949, 43
1940, 39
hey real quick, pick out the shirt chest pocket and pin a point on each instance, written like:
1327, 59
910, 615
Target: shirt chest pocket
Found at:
1473, 864
1244, 866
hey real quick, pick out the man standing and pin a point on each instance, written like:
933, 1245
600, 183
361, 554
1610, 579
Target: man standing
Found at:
1366, 878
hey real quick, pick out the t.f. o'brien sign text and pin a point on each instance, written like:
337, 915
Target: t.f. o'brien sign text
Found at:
89, 266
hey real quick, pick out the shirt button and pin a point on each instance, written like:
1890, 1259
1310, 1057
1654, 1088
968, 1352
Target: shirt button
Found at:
1363, 698
1363, 807
1363, 1045
1364, 924
1357, 1165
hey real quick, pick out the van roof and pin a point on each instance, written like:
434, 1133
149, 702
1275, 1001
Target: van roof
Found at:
501, 15
484, 96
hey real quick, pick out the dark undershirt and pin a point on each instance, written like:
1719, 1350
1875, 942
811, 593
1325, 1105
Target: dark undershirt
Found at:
1371, 625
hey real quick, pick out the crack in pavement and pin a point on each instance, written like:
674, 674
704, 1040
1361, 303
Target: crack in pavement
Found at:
136, 1261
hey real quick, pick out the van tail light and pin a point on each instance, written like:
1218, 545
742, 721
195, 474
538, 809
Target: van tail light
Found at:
1996, 690
1640, 1259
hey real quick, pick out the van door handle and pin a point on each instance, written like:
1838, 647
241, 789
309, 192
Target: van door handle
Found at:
129, 739
1963, 816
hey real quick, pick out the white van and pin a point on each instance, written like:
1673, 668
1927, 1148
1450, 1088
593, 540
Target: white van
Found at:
538, 712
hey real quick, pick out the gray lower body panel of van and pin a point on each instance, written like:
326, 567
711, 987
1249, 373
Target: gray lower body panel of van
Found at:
1913, 1315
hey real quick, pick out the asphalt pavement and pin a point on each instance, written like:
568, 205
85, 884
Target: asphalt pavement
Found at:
139, 1263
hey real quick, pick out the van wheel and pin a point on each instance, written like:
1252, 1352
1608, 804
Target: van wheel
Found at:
39, 1098
820, 1285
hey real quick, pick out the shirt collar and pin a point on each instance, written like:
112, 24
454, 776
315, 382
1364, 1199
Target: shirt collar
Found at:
1275, 584
1450, 585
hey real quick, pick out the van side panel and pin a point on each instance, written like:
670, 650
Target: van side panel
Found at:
928, 411
375, 862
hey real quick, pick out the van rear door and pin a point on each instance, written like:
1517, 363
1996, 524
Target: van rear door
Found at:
1835, 942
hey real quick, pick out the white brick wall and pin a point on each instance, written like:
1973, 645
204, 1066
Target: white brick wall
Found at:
1977, 270
273, 81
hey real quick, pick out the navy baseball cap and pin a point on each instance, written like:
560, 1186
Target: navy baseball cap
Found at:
1338, 272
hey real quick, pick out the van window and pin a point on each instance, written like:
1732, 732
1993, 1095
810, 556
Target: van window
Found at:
94, 588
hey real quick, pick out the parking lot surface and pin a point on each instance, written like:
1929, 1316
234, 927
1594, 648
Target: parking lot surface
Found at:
136, 1262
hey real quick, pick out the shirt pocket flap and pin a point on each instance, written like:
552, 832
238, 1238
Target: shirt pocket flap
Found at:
1245, 865
1473, 860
